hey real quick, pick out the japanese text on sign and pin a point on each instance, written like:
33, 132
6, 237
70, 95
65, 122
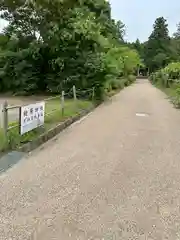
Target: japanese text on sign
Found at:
31, 117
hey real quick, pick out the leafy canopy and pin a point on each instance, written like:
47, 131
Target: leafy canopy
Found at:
52, 45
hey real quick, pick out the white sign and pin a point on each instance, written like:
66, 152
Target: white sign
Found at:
31, 117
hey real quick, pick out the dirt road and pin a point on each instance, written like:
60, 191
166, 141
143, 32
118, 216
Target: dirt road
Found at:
114, 175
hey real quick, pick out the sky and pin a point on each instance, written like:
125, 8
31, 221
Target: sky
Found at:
2, 24
139, 16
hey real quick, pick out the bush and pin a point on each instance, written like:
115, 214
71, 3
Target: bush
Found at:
131, 78
169, 77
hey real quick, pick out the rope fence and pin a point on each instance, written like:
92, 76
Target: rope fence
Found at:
10, 115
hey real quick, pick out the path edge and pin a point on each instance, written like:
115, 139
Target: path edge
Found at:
51, 133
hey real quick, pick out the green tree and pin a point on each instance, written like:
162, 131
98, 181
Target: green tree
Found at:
3, 41
175, 44
176, 35
157, 48
53, 45
137, 45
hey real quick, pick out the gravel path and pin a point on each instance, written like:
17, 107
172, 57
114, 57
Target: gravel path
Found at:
114, 175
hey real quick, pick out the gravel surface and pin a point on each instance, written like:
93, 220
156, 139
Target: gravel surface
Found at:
114, 175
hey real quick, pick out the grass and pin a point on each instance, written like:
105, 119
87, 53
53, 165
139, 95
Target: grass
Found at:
173, 93
53, 117
169, 91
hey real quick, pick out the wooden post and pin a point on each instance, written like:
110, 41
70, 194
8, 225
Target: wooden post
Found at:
62, 102
138, 71
148, 72
93, 93
5, 118
74, 93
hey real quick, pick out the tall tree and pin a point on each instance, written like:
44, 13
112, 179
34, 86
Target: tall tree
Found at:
60, 43
175, 44
157, 49
139, 47
176, 35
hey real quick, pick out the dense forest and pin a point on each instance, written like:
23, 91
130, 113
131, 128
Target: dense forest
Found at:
160, 49
52, 45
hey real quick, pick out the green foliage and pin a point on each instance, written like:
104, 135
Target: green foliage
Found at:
175, 44
169, 78
160, 49
177, 33
157, 49
53, 45
139, 47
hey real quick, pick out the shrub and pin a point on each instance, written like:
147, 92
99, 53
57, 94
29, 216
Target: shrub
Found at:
169, 77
